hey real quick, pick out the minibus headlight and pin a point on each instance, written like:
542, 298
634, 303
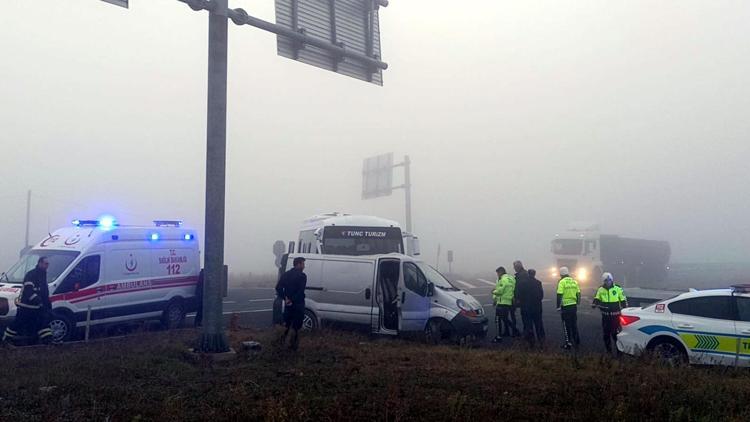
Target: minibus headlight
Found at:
465, 309
462, 305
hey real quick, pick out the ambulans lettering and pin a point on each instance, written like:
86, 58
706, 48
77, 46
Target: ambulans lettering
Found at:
135, 284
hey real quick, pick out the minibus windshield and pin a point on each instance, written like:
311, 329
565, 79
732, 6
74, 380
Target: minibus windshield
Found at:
58, 262
435, 277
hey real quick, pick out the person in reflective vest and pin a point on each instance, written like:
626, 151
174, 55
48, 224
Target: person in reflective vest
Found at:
610, 299
503, 296
33, 306
568, 298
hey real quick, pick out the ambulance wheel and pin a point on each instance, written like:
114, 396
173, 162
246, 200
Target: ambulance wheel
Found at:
174, 314
309, 321
62, 326
668, 351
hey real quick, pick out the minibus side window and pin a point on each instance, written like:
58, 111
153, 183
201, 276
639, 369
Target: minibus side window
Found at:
414, 280
83, 275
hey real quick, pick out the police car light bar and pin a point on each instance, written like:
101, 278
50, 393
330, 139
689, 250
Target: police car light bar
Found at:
741, 288
168, 223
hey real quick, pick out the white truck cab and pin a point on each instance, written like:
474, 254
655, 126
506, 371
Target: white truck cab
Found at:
107, 273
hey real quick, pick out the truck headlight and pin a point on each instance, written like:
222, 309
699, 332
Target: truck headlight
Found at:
582, 274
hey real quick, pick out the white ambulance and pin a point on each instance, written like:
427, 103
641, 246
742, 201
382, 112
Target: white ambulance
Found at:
107, 273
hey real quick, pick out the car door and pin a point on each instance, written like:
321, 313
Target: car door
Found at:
414, 305
742, 327
706, 326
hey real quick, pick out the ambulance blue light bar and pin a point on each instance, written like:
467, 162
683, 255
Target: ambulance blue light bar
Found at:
188, 236
154, 236
86, 223
104, 222
168, 223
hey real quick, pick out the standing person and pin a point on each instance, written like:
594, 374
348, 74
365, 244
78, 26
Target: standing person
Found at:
530, 294
291, 288
568, 298
33, 306
521, 277
503, 297
199, 298
610, 299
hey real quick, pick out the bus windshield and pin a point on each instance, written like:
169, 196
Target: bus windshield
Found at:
343, 240
58, 262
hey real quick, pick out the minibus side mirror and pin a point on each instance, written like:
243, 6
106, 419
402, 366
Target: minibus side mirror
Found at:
412, 246
430, 289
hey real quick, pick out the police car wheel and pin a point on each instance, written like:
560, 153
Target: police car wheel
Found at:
174, 314
309, 321
669, 352
62, 328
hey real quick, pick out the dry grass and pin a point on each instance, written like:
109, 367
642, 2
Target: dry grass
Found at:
341, 376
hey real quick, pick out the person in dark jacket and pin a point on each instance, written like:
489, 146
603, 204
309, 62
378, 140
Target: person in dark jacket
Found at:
530, 296
33, 306
291, 288
529, 299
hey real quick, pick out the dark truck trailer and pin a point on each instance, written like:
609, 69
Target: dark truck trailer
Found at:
635, 261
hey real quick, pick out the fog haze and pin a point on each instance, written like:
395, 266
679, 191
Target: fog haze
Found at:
519, 117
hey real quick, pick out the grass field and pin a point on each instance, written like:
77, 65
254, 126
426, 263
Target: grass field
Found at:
343, 376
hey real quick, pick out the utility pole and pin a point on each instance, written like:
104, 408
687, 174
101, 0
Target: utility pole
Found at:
213, 339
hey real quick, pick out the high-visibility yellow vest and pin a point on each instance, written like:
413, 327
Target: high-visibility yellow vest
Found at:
568, 288
504, 291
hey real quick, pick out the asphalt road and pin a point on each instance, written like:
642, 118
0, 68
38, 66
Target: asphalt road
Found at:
254, 308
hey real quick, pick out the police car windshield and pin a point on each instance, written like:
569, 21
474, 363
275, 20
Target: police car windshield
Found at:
58, 262
435, 277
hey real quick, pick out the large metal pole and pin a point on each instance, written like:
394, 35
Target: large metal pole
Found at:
407, 190
213, 339
28, 218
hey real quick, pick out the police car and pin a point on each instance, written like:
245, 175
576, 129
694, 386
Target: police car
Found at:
708, 327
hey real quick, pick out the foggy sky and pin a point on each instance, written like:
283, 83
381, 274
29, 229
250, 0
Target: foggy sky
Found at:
519, 118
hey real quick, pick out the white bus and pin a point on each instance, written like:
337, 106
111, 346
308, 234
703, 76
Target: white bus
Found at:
346, 234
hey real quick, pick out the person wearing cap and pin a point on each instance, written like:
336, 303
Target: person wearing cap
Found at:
503, 296
568, 298
610, 299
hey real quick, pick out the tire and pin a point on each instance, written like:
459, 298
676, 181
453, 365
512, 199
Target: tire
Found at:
668, 351
62, 326
432, 333
309, 321
174, 314
438, 331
